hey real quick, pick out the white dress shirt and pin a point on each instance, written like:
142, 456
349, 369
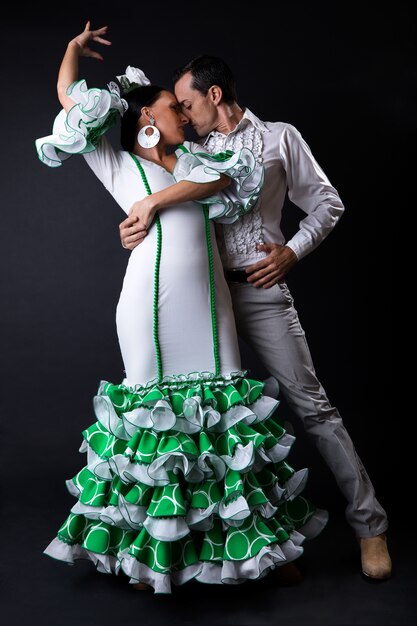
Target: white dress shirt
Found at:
289, 165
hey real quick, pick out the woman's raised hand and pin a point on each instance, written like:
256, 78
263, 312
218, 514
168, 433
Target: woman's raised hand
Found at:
79, 46
89, 35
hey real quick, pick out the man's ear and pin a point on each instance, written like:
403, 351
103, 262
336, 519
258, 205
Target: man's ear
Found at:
216, 94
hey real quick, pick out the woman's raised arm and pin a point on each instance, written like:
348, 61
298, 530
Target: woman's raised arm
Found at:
77, 47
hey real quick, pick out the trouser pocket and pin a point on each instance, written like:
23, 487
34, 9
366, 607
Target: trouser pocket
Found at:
283, 293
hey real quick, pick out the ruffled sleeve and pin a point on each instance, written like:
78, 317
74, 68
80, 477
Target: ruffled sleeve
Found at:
79, 130
246, 173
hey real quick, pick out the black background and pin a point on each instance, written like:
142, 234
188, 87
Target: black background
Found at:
344, 75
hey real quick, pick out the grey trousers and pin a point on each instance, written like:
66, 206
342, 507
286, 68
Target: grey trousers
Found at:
268, 322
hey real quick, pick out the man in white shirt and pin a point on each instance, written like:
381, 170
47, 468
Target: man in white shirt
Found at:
257, 258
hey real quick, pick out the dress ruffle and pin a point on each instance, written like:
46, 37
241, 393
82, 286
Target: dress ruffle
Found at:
246, 175
79, 130
95, 111
187, 479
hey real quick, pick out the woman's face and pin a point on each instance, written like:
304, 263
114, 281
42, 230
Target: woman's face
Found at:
169, 119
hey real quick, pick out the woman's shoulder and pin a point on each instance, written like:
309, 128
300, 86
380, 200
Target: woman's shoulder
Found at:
190, 146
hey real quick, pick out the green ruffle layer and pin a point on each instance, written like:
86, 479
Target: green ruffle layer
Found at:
207, 484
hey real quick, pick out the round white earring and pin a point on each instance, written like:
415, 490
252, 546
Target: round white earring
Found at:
149, 141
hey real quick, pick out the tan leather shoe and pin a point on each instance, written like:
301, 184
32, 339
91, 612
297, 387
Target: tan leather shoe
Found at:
375, 558
288, 575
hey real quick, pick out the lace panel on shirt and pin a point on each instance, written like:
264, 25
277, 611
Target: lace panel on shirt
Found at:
241, 237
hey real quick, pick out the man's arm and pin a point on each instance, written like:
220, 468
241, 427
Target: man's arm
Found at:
310, 189
134, 228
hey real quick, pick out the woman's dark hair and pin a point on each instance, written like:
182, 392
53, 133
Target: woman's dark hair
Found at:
206, 71
136, 99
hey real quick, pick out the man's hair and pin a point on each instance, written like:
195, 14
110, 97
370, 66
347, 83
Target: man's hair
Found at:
206, 71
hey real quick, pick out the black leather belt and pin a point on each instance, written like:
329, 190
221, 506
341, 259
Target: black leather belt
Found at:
236, 276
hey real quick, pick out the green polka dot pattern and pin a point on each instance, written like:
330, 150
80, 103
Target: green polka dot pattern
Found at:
214, 490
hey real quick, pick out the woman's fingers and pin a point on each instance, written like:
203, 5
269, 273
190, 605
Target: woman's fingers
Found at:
92, 54
93, 35
101, 31
96, 35
101, 40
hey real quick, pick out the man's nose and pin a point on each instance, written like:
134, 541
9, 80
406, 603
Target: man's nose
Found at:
186, 114
184, 119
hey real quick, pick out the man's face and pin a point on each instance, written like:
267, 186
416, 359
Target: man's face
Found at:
199, 109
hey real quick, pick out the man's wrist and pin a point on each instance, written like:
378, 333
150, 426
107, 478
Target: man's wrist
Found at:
293, 254
154, 201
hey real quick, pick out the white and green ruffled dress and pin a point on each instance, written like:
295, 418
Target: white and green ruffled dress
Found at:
186, 476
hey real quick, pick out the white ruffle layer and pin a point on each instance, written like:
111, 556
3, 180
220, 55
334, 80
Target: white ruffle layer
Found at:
161, 583
240, 196
230, 572
227, 572
92, 110
62, 551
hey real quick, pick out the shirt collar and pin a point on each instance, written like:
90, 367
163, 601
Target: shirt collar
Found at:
248, 118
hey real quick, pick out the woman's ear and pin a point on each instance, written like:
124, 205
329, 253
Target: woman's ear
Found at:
146, 113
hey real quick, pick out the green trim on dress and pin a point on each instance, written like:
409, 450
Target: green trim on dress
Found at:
156, 274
